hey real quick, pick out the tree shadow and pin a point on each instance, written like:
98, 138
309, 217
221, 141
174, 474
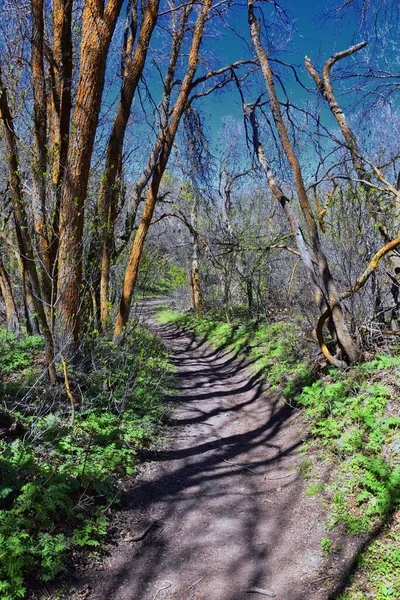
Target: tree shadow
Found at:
199, 369
226, 487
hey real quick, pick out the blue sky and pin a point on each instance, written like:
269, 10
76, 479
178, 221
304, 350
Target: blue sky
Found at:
312, 34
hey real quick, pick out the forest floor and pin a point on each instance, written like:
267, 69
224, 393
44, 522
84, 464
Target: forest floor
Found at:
224, 495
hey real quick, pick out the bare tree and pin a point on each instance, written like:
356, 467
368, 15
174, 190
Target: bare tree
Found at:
325, 290
167, 141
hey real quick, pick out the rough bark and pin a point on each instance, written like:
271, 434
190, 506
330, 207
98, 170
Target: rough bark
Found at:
40, 153
168, 138
61, 75
21, 224
60, 104
98, 24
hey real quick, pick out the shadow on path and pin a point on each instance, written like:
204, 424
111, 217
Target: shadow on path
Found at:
225, 492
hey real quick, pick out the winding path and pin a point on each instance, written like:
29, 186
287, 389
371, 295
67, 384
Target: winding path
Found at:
225, 491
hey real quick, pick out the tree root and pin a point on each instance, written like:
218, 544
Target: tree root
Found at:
141, 536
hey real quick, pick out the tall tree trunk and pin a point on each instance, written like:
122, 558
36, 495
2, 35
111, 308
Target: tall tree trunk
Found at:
40, 153
98, 25
9, 301
168, 138
22, 227
60, 112
323, 280
134, 62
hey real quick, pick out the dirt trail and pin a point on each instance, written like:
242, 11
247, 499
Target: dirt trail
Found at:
226, 491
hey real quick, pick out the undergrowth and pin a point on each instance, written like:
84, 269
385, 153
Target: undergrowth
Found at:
354, 421
274, 349
58, 481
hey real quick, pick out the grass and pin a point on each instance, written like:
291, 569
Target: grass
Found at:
354, 421
274, 349
57, 481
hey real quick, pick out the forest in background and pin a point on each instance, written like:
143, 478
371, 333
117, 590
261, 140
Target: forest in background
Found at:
120, 181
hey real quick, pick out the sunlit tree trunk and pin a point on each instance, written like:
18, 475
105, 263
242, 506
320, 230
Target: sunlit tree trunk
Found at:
60, 106
40, 153
98, 24
177, 111
134, 61
322, 279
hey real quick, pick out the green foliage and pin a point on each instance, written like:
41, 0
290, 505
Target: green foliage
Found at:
306, 468
314, 488
158, 276
273, 349
57, 481
378, 573
326, 545
349, 417
17, 351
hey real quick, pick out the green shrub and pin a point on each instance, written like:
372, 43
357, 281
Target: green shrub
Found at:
56, 482
16, 352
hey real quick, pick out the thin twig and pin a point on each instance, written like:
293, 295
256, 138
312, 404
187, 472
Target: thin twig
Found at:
280, 477
68, 388
262, 591
141, 536
195, 583
169, 583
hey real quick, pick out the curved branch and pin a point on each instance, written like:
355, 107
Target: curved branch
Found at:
340, 364
359, 284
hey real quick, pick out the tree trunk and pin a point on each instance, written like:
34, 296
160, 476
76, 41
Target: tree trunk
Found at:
197, 295
40, 153
151, 199
9, 301
97, 30
21, 224
249, 293
322, 280
60, 106
109, 191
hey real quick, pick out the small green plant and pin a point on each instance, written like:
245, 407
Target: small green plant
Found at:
326, 545
306, 468
16, 352
378, 573
314, 488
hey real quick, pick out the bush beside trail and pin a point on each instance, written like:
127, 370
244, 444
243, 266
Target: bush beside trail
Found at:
58, 478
